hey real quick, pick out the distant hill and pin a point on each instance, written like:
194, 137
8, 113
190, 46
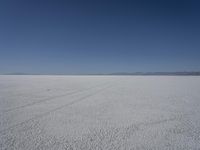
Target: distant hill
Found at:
158, 73
15, 73
184, 73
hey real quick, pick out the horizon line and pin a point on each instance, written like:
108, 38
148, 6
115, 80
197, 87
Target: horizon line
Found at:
186, 73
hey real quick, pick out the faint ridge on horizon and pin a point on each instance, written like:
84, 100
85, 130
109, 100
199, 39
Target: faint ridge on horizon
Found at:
194, 73
183, 73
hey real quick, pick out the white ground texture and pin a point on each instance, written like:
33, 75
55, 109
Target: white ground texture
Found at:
99, 113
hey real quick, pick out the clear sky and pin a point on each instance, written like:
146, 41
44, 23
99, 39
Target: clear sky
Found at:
99, 36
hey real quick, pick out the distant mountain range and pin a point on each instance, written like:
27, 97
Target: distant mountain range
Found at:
16, 73
184, 73
159, 73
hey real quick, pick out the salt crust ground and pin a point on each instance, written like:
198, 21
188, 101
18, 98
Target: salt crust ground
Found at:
99, 112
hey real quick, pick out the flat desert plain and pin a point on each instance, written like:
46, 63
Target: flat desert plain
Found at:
39, 112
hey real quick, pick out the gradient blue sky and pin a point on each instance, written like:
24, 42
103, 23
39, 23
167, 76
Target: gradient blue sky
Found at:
99, 36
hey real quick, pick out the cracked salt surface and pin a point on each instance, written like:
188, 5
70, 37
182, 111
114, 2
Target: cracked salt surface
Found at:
99, 112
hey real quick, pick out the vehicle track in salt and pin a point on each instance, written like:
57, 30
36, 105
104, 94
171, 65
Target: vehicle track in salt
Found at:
38, 101
50, 98
57, 108
33, 93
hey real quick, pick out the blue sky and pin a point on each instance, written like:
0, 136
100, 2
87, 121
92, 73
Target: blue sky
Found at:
104, 36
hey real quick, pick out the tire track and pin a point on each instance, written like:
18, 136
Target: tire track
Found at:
36, 102
56, 109
22, 93
50, 98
